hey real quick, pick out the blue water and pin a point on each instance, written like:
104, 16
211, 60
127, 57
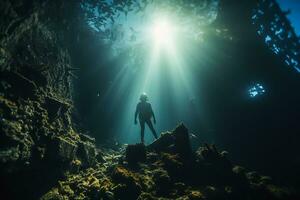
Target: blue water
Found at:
294, 16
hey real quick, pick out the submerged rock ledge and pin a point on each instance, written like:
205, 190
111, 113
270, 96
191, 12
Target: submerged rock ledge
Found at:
162, 171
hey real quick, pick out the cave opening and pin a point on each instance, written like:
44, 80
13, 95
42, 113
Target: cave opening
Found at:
72, 73
211, 80
152, 51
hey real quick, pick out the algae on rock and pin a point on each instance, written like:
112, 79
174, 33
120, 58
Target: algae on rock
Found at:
166, 175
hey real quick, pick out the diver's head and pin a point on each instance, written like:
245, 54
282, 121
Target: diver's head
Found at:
144, 97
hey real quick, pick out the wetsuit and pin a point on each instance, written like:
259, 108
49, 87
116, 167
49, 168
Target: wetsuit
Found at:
145, 113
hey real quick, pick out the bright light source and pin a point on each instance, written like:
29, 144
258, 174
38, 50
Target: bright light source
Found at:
163, 32
256, 90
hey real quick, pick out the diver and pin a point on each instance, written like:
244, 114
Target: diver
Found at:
145, 112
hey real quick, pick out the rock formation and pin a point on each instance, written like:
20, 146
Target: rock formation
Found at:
38, 139
167, 174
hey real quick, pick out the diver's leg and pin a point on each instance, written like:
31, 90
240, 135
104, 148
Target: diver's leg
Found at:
142, 124
149, 123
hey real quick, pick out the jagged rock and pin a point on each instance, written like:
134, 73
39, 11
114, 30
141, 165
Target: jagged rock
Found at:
64, 151
210, 154
61, 150
135, 153
86, 153
173, 164
53, 195
128, 186
162, 182
176, 141
16, 144
166, 177
55, 107
17, 85
164, 143
182, 142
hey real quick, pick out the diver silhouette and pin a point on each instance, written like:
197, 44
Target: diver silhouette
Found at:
145, 112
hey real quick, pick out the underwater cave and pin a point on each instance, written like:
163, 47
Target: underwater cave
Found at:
84, 83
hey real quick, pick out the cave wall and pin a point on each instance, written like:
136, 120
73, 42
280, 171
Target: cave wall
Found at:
38, 141
260, 133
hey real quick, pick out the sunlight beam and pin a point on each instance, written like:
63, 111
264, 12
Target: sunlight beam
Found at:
163, 32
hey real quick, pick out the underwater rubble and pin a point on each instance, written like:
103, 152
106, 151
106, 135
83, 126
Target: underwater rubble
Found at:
149, 173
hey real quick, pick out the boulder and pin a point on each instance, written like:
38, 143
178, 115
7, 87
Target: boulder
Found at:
163, 144
61, 150
55, 107
176, 141
86, 153
127, 184
135, 153
182, 141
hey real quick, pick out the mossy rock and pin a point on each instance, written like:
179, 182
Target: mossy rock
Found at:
53, 195
135, 153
